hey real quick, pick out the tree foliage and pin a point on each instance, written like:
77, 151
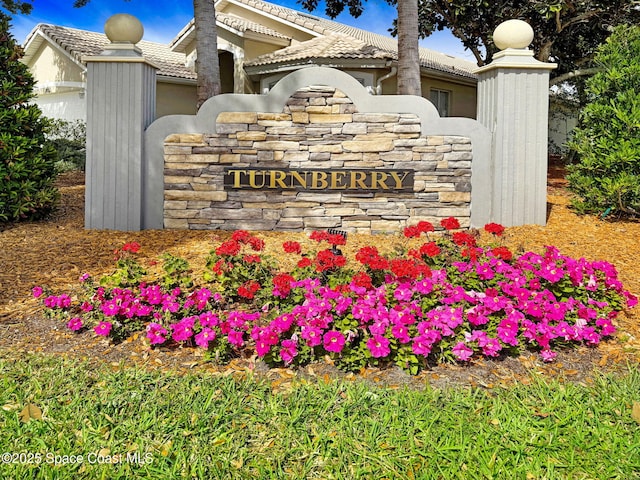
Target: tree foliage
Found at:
607, 175
26, 161
16, 6
567, 32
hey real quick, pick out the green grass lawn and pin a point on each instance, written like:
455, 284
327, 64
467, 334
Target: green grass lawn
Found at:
164, 426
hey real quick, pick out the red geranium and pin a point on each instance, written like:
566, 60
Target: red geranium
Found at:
336, 239
430, 249
327, 260
464, 238
404, 268
450, 223
304, 262
425, 227
412, 231
230, 247
502, 252
292, 247
132, 247
361, 279
319, 235
241, 236
257, 244
248, 289
252, 259
494, 228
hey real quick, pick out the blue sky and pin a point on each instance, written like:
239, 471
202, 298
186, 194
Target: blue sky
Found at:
163, 19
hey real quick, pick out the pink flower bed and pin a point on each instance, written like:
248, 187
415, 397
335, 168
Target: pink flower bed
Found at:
447, 299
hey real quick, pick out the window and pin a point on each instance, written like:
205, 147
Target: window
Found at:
440, 98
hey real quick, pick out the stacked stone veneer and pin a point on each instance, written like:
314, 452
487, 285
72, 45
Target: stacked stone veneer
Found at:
319, 127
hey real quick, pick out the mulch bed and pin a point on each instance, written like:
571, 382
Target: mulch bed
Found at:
57, 251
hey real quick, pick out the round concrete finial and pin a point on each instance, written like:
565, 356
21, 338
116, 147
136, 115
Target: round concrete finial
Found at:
123, 28
513, 34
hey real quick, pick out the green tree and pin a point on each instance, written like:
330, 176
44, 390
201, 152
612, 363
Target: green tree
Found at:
407, 32
16, 6
567, 32
207, 62
606, 177
26, 161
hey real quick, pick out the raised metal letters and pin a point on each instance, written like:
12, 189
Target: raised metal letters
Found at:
344, 180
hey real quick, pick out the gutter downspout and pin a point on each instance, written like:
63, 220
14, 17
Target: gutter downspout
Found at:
391, 73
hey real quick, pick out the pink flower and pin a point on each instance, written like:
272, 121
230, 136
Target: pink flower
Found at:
103, 329
204, 337
421, 345
547, 355
182, 331
378, 346
75, 324
84, 277
333, 341
156, 333
235, 338
312, 335
462, 352
288, 351
37, 292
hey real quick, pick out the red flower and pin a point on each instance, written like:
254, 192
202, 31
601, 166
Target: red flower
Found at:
430, 249
365, 254
404, 268
425, 227
319, 235
412, 231
252, 259
230, 247
132, 247
292, 247
248, 289
336, 239
464, 238
304, 262
494, 228
241, 236
283, 280
327, 260
361, 279
370, 257
450, 223
257, 244
502, 252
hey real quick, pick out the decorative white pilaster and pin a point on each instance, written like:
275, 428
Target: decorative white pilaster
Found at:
513, 103
121, 99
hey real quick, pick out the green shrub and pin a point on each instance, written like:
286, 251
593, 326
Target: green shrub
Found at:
26, 160
68, 138
606, 177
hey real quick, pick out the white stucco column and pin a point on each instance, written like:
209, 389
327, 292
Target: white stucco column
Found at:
121, 99
513, 103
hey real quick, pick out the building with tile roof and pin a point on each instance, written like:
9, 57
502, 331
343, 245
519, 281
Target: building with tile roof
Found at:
258, 44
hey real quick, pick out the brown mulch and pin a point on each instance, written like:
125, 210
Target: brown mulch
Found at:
57, 251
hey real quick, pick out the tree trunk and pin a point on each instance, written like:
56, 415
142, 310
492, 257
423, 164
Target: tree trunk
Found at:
207, 65
408, 54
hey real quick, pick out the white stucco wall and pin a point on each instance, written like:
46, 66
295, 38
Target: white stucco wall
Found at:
68, 106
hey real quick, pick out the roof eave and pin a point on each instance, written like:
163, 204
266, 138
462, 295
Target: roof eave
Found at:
277, 67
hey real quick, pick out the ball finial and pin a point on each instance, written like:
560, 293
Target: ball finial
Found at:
513, 34
123, 28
